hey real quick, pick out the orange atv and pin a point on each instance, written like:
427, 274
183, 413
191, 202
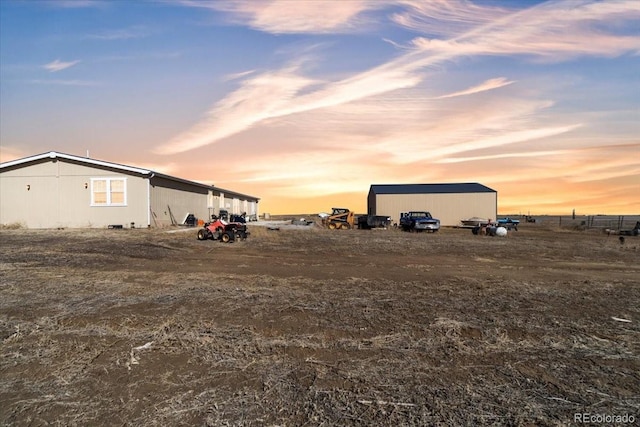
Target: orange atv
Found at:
219, 229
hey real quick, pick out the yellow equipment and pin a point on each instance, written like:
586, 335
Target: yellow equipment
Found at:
340, 218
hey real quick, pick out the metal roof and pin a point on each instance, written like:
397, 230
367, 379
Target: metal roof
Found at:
87, 160
234, 193
100, 163
465, 187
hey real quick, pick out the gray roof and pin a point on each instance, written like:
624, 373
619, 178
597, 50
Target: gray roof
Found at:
53, 155
466, 187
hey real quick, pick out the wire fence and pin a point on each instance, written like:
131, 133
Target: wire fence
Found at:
604, 222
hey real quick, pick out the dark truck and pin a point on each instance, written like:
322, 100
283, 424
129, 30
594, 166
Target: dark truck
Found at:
367, 222
418, 221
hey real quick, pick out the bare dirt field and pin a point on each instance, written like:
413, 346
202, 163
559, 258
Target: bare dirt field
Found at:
318, 327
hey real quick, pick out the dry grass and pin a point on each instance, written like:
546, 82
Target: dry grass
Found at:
12, 226
143, 327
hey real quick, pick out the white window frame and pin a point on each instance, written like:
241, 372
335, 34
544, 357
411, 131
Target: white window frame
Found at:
108, 190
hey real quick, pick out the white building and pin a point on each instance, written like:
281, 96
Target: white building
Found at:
450, 203
57, 190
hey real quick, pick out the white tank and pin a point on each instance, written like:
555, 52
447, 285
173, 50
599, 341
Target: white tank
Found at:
501, 231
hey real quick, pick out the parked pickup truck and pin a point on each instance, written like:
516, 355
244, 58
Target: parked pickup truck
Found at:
418, 221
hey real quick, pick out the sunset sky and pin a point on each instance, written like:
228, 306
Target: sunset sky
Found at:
307, 103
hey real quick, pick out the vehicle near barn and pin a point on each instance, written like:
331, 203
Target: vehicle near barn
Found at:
509, 223
219, 229
367, 222
474, 222
344, 219
339, 219
418, 221
226, 216
448, 201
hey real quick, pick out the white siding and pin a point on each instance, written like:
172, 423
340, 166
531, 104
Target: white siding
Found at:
178, 199
55, 191
57, 197
234, 203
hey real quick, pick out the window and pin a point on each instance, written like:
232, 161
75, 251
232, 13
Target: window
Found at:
108, 191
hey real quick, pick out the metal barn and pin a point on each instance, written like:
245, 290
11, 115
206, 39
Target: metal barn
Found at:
450, 203
57, 190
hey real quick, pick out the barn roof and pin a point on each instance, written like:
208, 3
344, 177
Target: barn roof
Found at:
466, 187
52, 155
56, 155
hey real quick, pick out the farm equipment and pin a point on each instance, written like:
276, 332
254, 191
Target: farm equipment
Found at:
226, 216
219, 229
340, 218
343, 218
367, 222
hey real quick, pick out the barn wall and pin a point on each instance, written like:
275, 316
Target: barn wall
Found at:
36, 207
449, 208
371, 203
179, 199
233, 203
248, 206
57, 197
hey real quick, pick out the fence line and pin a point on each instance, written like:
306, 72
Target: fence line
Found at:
613, 222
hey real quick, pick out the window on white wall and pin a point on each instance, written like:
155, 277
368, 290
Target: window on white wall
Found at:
108, 191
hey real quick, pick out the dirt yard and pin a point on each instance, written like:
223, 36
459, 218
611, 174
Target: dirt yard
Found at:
318, 327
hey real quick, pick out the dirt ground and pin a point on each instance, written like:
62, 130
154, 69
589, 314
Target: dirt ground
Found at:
318, 327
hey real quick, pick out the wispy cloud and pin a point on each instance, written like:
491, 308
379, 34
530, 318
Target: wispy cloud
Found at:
236, 76
502, 156
285, 16
557, 29
393, 123
603, 163
260, 98
483, 87
504, 137
447, 18
285, 92
58, 65
574, 165
347, 147
550, 31
314, 171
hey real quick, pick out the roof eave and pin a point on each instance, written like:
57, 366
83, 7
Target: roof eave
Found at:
55, 155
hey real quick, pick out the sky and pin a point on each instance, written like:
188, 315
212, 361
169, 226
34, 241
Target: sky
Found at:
307, 103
